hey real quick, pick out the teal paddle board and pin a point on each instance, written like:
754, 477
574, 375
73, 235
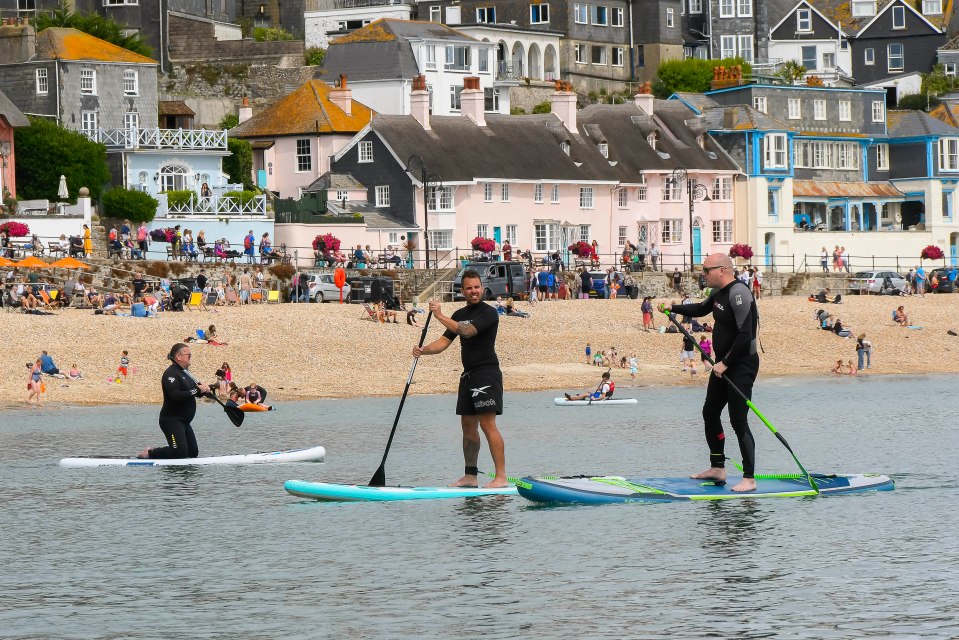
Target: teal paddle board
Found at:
331, 492
617, 489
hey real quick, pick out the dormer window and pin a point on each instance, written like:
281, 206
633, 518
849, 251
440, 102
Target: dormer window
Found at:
604, 149
564, 145
863, 8
804, 20
899, 17
651, 140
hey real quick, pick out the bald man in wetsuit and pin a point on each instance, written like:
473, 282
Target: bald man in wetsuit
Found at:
734, 345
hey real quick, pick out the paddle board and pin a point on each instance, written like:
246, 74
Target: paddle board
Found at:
563, 402
330, 492
611, 489
313, 454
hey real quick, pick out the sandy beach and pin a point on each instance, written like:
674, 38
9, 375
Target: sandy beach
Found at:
306, 351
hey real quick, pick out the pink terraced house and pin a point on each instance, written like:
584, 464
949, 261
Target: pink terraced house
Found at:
609, 173
10, 118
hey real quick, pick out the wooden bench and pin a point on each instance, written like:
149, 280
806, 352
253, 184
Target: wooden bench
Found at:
54, 248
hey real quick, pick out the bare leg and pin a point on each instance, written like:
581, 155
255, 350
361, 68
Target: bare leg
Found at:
497, 450
471, 447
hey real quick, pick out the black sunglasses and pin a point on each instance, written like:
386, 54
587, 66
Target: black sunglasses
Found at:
706, 270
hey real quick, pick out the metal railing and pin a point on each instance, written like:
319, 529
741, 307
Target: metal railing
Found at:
219, 205
328, 5
135, 138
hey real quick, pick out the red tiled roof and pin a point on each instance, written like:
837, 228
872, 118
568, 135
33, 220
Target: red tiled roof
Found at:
825, 188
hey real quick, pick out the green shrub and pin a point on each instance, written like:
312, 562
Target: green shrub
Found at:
46, 150
243, 197
517, 111
179, 198
130, 204
315, 56
692, 75
239, 164
270, 34
542, 107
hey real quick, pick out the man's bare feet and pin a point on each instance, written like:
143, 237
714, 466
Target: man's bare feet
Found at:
467, 482
497, 483
145, 453
747, 484
713, 473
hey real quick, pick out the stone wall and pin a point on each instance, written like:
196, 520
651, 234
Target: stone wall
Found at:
528, 96
193, 40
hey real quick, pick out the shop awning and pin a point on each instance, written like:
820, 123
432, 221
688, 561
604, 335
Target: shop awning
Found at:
859, 190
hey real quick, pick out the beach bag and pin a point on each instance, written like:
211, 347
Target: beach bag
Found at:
247, 243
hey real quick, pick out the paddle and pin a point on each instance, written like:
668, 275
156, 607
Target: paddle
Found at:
749, 403
379, 477
233, 413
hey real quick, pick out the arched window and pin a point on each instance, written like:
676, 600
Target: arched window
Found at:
172, 178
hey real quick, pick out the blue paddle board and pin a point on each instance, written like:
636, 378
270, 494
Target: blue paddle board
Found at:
617, 489
331, 492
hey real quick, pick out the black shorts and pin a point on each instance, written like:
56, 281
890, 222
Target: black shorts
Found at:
543, 288
481, 391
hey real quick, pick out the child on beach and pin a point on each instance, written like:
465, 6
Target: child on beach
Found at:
706, 350
589, 354
124, 367
837, 368
852, 368
633, 366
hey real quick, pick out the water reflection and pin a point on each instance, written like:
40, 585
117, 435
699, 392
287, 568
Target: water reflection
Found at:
735, 527
183, 480
489, 517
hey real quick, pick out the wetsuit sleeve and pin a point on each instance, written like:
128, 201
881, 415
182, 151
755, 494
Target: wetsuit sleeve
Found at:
741, 304
173, 390
695, 309
486, 320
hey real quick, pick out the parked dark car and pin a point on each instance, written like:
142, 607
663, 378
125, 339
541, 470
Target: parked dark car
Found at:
945, 284
507, 279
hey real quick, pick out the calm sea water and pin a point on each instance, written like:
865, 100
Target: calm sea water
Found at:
226, 553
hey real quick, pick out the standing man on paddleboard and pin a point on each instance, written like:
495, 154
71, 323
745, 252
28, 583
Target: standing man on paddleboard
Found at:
180, 391
734, 345
480, 397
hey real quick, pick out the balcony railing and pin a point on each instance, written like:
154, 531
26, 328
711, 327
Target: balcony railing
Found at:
329, 5
219, 206
192, 139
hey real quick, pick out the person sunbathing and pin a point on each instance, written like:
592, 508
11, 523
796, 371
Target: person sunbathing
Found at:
74, 373
900, 317
210, 335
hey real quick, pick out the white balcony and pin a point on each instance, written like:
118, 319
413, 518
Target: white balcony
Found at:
179, 139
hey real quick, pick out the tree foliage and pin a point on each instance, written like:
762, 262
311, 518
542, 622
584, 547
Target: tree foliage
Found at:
129, 204
691, 75
229, 121
315, 56
46, 150
93, 23
239, 164
936, 81
269, 34
918, 102
791, 72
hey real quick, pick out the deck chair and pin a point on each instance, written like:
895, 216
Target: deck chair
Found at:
370, 312
273, 295
211, 299
196, 301
256, 296
48, 300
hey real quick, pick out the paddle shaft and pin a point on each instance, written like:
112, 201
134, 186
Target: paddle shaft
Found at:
379, 477
235, 414
749, 403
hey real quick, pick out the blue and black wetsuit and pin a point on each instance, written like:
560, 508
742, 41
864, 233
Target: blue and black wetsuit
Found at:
179, 406
734, 344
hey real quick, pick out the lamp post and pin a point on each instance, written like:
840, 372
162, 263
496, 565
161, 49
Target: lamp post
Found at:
414, 165
694, 192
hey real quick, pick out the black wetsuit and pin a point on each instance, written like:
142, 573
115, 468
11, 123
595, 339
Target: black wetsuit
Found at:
179, 407
734, 344
481, 385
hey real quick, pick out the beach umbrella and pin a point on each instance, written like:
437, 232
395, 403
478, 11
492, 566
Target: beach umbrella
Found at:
69, 263
31, 262
6, 263
62, 191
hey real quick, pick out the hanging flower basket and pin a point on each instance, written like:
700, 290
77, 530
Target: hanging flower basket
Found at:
932, 252
581, 249
741, 251
326, 241
483, 244
15, 229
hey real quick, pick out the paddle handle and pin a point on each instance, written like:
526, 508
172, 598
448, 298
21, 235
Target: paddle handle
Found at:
749, 403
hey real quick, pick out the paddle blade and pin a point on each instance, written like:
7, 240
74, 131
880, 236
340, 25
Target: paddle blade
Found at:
379, 478
235, 415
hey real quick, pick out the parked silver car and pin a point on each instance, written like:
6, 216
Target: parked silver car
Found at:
322, 288
866, 282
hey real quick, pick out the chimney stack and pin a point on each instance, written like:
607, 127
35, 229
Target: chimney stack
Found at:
563, 104
420, 102
342, 97
644, 99
18, 43
245, 112
472, 101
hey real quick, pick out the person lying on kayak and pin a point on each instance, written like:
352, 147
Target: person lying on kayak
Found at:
180, 391
236, 398
603, 392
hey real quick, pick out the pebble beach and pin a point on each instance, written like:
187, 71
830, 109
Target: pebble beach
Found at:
310, 351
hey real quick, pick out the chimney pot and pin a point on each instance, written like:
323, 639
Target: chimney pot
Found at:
420, 102
342, 81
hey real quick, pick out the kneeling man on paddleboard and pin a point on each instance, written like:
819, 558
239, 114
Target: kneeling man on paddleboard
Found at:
480, 397
180, 391
734, 343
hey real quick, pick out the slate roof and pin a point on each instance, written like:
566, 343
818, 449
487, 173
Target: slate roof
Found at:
60, 43
909, 124
340, 181
517, 147
361, 61
741, 117
308, 110
841, 11
9, 111
174, 108
390, 29
698, 101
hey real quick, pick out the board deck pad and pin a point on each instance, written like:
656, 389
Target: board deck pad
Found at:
332, 492
312, 454
613, 489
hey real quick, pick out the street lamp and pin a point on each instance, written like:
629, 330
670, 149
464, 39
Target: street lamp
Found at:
694, 192
414, 165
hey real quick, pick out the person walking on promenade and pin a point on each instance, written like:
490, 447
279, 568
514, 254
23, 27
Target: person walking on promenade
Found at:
734, 343
481, 383
180, 391
824, 260
87, 242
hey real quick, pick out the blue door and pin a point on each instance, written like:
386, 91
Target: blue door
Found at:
697, 246
497, 234
261, 178
954, 251
768, 251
